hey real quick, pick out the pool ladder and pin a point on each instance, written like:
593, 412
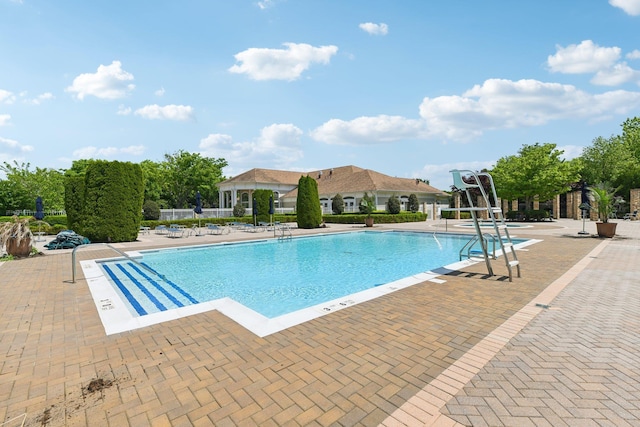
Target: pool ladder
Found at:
496, 218
285, 233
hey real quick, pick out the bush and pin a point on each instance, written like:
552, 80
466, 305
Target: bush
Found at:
110, 201
239, 210
393, 205
414, 205
337, 204
150, 210
307, 204
261, 198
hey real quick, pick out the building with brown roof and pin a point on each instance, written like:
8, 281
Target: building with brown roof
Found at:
351, 182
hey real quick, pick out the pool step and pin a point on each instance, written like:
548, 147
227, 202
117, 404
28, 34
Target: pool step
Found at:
146, 291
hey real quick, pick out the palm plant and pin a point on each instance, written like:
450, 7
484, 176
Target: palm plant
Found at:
605, 198
16, 236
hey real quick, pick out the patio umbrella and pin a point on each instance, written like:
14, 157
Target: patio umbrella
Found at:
584, 204
255, 210
39, 215
198, 208
271, 211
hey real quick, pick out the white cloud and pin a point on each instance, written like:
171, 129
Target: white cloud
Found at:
570, 151
630, 7
159, 92
14, 145
265, 4
91, 152
168, 112
369, 130
123, 111
375, 29
585, 57
281, 64
277, 146
635, 54
40, 98
496, 104
5, 119
617, 75
6, 97
109, 82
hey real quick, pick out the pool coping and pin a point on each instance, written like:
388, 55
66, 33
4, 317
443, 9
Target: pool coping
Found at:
116, 317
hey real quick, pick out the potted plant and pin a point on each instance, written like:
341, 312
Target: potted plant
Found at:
367, 206
604, 197
16, 236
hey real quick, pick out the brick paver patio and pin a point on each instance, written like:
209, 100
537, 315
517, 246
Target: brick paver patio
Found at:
477, 346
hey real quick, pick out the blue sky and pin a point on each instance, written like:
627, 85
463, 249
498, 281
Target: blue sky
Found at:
408, 88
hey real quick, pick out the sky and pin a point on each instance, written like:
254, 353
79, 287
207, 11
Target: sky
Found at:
408, 88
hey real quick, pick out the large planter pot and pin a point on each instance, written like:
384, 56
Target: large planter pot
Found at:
606, 229
368, 222
21, 250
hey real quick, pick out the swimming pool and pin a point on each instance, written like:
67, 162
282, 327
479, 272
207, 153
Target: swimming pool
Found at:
270, 282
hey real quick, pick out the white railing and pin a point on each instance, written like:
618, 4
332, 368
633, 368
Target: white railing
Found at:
172, 214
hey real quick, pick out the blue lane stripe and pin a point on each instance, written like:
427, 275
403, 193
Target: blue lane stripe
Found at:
144, 290
156, 285
136, 305
174, 286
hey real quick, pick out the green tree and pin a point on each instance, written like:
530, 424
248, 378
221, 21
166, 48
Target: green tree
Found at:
393, 205
605, 160
112, 197
309, 212
154, 182
185, 173
24, 185
414, 205
337, 204
261, 197
367, 204
537, 171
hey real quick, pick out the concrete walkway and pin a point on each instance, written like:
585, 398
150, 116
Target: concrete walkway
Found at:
555, 347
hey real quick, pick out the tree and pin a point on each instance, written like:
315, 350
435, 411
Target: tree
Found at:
261, 197
393, 205
414, 205
23, 186
337, 204
309, 212
537, 171
111, 202
154, 182
185, 173
367, 204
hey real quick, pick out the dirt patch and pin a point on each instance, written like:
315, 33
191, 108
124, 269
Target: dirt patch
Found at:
98, 384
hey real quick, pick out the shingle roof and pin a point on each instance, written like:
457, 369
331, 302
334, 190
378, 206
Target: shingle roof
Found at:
344, 179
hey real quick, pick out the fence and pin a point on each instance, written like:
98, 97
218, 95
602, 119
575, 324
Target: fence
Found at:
173, 214
27, 212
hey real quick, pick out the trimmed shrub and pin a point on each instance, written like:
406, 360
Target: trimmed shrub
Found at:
393, 205
73, 199
337, 204
413, 204
150, 210
308, 204
239, 210
262, 201
111, 202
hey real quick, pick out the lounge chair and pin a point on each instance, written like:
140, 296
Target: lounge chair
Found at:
161, 229
631, 216
175, 232
216, 229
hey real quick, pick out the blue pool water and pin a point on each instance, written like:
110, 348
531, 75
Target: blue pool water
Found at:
273, 277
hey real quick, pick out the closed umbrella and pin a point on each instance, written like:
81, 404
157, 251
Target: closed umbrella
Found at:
198, 208
39, 215
584, 204
255, 211
271, 212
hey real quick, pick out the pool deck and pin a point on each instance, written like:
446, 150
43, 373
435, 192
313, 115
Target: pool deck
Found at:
558, 346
